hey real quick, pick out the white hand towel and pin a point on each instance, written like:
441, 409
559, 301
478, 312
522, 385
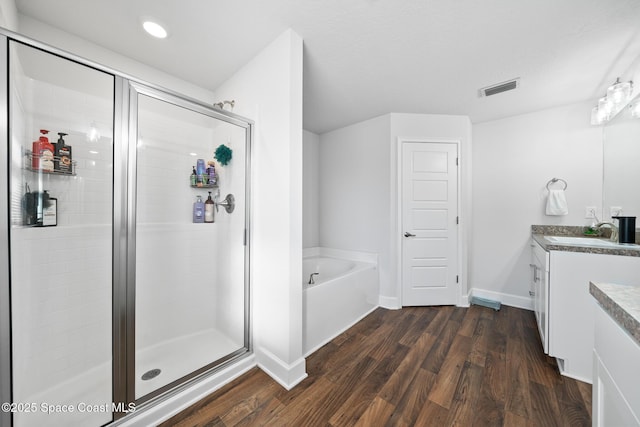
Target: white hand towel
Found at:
557, 203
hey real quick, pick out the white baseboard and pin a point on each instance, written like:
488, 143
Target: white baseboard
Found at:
180, 401
390, 303
464, 301
506, 299
287, 375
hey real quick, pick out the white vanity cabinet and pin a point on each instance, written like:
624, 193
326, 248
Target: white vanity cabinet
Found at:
540, 290
616, 389
572, 309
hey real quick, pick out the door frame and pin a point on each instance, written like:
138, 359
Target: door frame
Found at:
397, 239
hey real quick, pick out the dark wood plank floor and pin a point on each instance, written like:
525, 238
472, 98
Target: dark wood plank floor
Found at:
419, 366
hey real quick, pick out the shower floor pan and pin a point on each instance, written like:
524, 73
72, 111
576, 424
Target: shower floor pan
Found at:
179, 357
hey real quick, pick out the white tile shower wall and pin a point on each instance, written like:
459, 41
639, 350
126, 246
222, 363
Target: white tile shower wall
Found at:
175, 269
175, 258
87, 197
193, 270
61, 296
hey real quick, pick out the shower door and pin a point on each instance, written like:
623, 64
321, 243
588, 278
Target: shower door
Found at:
60, 228
191, 277
112, 293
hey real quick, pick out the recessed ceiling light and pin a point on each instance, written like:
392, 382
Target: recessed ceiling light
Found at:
155, 29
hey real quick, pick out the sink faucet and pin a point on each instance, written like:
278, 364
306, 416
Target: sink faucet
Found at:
311, 282
614, 229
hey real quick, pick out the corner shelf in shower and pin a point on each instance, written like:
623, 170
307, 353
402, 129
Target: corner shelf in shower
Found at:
205, 186
28, 161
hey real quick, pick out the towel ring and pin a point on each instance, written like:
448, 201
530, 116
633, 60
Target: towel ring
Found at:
554, 180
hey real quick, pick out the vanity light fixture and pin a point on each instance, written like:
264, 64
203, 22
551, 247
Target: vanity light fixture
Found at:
618, 95
155, 29
635, 109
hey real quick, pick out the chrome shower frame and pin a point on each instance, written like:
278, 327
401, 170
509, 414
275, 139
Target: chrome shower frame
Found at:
126, 89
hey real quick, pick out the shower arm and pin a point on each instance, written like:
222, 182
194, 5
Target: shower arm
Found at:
221, 104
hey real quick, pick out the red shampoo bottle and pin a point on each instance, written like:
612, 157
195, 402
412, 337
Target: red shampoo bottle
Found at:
42, 157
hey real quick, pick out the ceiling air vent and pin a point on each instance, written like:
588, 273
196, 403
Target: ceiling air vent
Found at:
499, 88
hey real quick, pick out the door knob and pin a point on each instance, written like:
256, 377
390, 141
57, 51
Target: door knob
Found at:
407, 234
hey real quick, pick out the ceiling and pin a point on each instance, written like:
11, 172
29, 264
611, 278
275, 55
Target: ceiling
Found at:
364, 58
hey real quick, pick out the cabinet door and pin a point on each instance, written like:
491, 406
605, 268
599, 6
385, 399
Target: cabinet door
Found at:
539, 284
571, 306
616, 395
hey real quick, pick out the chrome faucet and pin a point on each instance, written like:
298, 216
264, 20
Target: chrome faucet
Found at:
311, 282
614, 229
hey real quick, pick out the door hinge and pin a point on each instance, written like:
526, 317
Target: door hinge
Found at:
457, 220
457, 279
244, 238
457, 160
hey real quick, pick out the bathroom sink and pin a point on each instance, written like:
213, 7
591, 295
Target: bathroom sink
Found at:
588, 241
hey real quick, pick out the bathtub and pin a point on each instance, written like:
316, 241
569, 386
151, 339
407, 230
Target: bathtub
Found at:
346, 289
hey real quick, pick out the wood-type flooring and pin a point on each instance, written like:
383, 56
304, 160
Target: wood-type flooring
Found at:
419, 366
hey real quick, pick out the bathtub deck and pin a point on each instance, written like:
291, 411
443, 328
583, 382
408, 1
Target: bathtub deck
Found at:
416, 366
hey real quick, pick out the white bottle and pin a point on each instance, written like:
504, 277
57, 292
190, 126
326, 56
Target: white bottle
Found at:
208, 209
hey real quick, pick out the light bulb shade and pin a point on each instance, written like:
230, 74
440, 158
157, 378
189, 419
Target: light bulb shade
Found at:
605, 107
635, 109
620, 93
595, 117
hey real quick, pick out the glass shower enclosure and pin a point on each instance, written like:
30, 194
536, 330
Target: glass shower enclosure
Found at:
120, 287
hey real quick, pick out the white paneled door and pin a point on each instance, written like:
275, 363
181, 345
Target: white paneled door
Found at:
429, 223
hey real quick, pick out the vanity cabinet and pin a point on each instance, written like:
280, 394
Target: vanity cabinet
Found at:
616, 395
540, 291
572, 309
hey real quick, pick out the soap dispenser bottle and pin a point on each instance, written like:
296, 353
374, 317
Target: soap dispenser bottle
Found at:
209, 209
198, 210
62, 156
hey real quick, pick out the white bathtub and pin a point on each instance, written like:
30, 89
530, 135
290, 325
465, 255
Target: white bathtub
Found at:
346, 289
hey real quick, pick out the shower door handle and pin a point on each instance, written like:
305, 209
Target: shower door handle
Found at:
229, 203
407, 234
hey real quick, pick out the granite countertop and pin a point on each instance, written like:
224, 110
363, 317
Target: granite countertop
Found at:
539, 231
622, 303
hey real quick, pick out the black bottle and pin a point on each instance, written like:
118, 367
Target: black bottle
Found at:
62, 156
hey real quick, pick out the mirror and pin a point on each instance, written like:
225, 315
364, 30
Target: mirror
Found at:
621, 168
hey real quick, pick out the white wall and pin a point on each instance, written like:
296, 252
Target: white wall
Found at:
358, 187
8, 15
430, 127
513, 159
269, 90
311, 190
354, 190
